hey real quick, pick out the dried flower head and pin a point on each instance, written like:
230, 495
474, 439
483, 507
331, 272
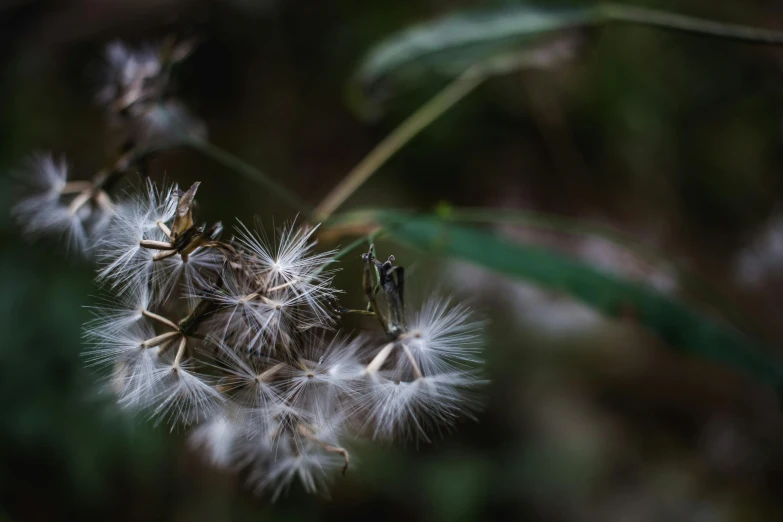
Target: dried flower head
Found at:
78, 210
243, 346
136, 93
137, 97
239, 339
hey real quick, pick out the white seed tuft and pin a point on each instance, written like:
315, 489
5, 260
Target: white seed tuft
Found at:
51, 205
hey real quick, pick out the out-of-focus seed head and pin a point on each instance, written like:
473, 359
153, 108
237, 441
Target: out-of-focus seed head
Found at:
80, 211
135, 93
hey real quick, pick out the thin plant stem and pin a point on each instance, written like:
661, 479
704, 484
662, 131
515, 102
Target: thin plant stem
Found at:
379, 359
160, 319
266, 374
412, 360
408, 129
160, 339
612, 12
234, 163
239, 166
461, 87
162, 226
309, 435
180, 351
469, 80
283, 285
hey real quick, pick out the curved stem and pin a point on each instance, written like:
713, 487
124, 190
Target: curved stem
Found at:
612, 12
162, 226
411, 359
74, 187
180, 352
160, 319
410, 127
461, 87
379, 359
283, 285
156, 245
266, 374
160, 339
309, 435
78, 202
250, 172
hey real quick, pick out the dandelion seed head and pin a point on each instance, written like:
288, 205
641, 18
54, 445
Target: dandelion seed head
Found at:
132, 365
307, 464
249, 382
289, 259
239, 314
184, 397
326, 375
167, 123
217, 437
403, 410
129, 74
115, 344
135, 93
45, 175
124, 264
236, 340
79, 212
264, 322
444, 335
193, 275
115, 314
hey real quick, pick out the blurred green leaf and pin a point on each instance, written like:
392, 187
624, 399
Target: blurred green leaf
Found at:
510, 38
494, 41
679, 325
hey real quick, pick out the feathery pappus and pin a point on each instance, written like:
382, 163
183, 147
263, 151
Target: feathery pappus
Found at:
238, 339
138, 99
244, 347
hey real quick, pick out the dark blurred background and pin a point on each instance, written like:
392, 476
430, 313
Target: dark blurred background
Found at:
675, 140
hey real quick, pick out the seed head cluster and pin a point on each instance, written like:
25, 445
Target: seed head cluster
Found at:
238, 340
138, 102
137, 93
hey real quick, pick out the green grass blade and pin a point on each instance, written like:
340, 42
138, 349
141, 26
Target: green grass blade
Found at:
509, 38
451, 45
680, 326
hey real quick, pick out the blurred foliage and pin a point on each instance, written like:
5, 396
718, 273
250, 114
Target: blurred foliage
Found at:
678, 325
480, 42
673, 139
